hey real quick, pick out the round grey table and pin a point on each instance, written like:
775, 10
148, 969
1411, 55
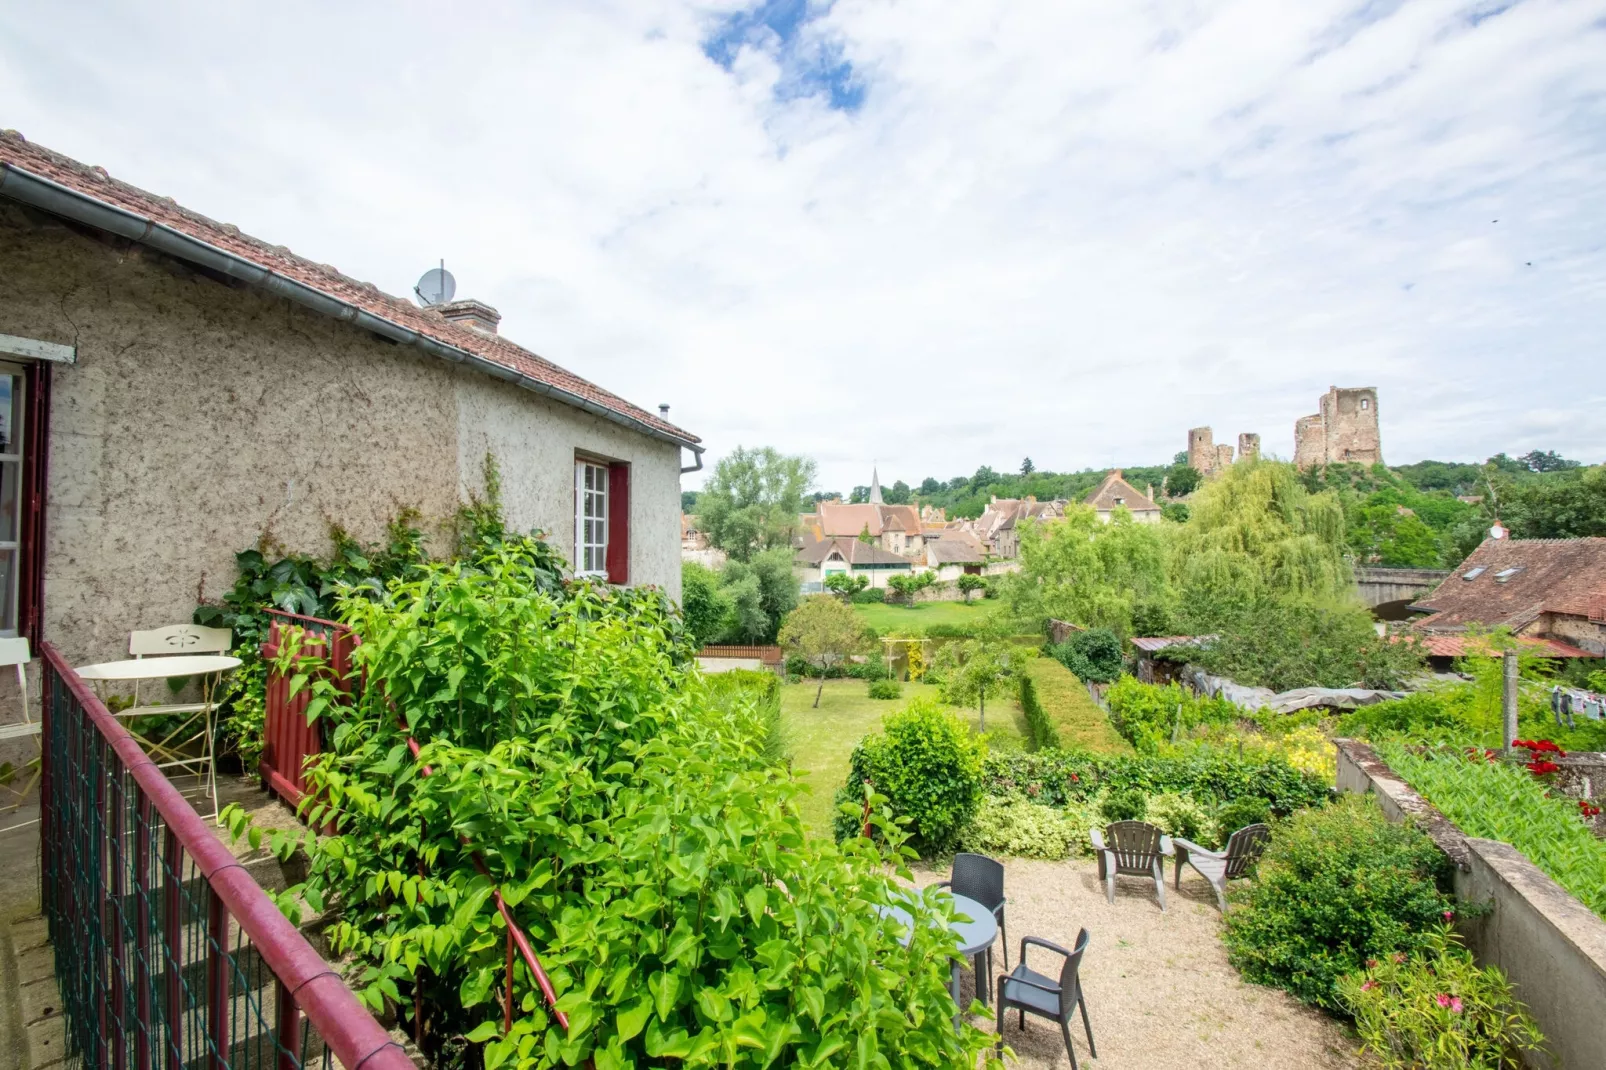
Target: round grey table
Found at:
976, 936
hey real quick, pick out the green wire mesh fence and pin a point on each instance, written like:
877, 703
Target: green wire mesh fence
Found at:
168, 954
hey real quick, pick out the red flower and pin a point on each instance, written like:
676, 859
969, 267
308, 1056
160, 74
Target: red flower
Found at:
1371, 964
1368, 986
1587, 808
1543, 767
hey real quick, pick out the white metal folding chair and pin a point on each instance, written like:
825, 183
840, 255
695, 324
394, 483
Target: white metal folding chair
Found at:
196, 726
15, 652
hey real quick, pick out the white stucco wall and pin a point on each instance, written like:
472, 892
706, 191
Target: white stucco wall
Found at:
203, 418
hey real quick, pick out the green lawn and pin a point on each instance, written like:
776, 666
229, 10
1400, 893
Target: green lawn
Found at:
915, 619
822, 740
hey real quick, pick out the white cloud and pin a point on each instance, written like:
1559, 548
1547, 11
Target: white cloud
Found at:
1069, 231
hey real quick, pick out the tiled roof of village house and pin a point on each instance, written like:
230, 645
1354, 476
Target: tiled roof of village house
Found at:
958, 548
1456, 646
1116, 493
1565, 576
22, 155
852, 550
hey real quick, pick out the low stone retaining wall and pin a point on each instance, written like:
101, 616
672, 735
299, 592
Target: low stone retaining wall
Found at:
1551, 946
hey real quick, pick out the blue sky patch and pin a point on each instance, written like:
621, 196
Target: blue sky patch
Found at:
810, 66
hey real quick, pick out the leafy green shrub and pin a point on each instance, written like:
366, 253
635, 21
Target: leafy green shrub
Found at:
1019, 828
1059, 711
1239, 813
885, 689
1215, 774
1129, 804
1497, 801
636, 832
870, 595
1337, 886
873, 667
1093, 655
928, 764
1184, 816
1283, 643
1436, 1010
752, 696
1148, 715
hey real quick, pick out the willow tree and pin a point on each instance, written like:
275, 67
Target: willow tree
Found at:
1099, 575
1254, 534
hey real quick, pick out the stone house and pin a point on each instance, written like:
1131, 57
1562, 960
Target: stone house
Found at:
894, 528
177, 391
1542, 588
1114, 492
998, 527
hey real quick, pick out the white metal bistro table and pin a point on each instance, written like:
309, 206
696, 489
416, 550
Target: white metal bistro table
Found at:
196, 724
976, 928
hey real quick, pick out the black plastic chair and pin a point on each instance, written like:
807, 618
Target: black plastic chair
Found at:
1030, 992
982, 879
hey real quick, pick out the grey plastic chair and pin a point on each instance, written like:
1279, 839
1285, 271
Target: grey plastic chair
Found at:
1030, 992
1243, 850
982, 879
1132, 849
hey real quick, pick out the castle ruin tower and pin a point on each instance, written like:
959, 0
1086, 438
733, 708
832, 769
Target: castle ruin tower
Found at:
1248, 446
1202, 450
1343, 431
1223, 458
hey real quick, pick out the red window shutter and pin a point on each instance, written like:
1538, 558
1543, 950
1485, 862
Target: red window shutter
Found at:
618, 557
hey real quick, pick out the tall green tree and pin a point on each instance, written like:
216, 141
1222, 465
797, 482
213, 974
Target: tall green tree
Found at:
753, 499
1566, 504
763, 590
704, 603
1256, 533
1088, 572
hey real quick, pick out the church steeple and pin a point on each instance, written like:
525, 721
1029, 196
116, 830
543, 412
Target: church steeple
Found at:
875, 488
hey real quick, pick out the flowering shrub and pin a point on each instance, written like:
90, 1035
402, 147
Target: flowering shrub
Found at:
1499, 801
1184, 816
1148, 716
1436, 1010
1538, 764
1336, 887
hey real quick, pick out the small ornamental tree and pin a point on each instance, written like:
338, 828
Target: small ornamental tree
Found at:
845, 585
974, 669
969, 584
825, 632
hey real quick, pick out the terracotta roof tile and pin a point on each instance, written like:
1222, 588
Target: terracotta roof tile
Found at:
1115, 492
1456, 646
1565, 576
94, 182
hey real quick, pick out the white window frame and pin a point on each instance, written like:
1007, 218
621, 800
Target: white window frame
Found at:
11, 460
591, 524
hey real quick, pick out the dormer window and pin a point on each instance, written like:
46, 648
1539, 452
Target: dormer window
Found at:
1120, 501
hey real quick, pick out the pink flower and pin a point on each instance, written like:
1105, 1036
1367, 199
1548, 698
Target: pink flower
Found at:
1442, 999
1368, 986
1398, 957
1371, 964
1455, 1004
1449, 915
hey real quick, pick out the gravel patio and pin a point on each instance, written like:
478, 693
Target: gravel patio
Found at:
1159, 990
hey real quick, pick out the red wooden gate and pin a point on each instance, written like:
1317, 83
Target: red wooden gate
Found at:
288, 740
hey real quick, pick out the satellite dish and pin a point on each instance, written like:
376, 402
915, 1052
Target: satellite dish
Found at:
1498, 532
436, 287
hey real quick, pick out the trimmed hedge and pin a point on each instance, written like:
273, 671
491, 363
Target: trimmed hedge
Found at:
1060, 713
1057, 777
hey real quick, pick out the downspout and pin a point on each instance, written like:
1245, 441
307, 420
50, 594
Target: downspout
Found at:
697, 461
57, 199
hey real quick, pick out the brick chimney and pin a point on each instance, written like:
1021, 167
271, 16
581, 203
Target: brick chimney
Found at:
476, 315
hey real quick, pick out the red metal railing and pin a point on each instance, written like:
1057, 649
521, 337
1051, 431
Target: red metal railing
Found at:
288, 739
168, 954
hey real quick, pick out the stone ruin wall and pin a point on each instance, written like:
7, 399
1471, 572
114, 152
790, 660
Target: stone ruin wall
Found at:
1201, 450
1345, 430
1248, 446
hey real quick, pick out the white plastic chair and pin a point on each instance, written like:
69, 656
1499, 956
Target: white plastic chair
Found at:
15, 652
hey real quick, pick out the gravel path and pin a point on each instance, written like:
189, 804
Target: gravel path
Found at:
1159, 989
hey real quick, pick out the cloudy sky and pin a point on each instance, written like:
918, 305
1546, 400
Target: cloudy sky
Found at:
927, 235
